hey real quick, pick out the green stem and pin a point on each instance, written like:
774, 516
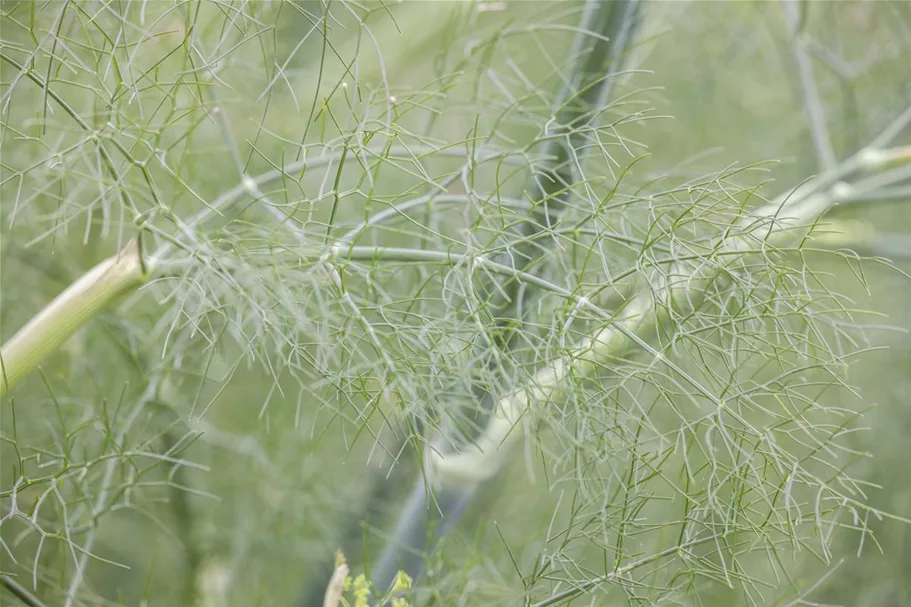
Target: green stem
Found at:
776, 223
806, 83
76, 306
20, 592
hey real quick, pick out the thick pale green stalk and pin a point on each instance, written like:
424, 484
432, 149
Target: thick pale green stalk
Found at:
485, 457
778, 223
79, 303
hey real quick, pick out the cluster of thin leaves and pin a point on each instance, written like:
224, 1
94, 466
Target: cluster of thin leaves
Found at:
370, 205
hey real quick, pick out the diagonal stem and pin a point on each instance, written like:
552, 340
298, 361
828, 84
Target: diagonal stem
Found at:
778, 223
432, 509
806, 82
69, 311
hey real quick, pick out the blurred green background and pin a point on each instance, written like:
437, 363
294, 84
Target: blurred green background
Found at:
281, 474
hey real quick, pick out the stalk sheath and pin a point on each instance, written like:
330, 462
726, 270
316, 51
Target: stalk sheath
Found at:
77, 305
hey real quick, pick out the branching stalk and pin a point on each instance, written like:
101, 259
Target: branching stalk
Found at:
486, 317
775, 224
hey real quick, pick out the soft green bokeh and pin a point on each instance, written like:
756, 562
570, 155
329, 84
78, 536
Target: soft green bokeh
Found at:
281, 465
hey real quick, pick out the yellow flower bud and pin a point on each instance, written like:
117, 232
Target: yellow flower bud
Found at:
402, 582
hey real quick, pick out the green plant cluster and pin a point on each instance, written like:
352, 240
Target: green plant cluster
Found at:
445, 285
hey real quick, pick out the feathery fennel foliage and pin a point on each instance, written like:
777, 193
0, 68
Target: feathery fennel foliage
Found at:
349, 272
